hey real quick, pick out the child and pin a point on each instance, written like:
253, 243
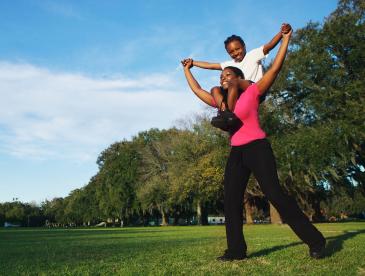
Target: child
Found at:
249, 63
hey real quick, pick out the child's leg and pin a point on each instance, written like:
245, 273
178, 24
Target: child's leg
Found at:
218, 98
232, 97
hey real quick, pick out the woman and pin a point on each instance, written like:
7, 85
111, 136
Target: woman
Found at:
251, 152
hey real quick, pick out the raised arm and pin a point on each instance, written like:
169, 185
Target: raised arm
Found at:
194, 85
271, 74
204, 64
285, 28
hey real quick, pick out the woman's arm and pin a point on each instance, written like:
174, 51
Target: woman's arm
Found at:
271, 74
194, 85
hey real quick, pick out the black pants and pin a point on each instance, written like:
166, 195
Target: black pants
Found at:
257, 157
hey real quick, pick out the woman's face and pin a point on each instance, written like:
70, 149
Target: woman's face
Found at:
227, 75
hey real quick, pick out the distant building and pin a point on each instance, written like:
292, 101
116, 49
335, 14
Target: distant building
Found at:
8, 224
216, 220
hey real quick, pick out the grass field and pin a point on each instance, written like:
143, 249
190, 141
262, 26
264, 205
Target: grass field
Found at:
192, 250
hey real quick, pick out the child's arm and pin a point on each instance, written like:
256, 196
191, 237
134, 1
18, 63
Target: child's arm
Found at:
194, 85
204, 64
285, 28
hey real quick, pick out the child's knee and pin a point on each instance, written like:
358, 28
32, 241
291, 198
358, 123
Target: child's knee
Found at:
215, 93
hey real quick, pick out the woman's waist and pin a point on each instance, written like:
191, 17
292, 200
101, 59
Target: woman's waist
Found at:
251, 143
247, 135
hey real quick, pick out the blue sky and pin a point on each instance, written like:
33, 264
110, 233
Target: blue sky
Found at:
74, 74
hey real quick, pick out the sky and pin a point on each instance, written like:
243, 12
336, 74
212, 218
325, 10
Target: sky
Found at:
77, 76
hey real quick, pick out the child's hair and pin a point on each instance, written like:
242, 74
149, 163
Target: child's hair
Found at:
238, 72
233, 38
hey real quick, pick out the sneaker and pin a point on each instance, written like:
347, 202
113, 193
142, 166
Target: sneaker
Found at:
228, 257
220, 122
317, 252
227, 121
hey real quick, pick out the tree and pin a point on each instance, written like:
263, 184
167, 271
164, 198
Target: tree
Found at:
198, 163
153, 188
315, 112
54, 210
15, 212
116, 180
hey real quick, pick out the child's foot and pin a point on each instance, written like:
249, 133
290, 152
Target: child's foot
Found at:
227, 121
220, 122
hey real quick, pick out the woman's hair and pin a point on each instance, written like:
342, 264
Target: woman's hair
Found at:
238, 72
233, 38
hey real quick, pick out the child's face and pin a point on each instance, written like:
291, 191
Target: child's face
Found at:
236, 50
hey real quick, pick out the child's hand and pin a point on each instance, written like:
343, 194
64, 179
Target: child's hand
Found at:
223, 106
233, 82
285, 28
184, 61
187, 63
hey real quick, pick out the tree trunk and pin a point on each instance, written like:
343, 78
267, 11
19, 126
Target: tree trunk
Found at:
318, 213
176, 218
164, 218
274, 215
201, 214
248, 211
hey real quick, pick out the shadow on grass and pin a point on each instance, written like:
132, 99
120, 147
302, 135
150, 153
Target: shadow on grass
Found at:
334, 244
267, 251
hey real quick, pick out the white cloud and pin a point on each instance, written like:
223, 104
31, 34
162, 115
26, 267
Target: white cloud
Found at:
44, 114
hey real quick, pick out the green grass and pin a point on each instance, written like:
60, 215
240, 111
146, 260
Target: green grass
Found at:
273, 250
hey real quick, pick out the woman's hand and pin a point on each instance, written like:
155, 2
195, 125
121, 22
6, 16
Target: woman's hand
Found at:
285, 28
187, 63
288, 34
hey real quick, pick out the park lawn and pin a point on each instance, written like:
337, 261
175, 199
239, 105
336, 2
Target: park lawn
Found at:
273, 250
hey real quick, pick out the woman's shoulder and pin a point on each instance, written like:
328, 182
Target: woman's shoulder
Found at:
252, 92
253, 88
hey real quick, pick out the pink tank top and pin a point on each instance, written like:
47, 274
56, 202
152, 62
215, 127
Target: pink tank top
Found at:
246, 109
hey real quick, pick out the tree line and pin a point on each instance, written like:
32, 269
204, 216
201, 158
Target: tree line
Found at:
313, 115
